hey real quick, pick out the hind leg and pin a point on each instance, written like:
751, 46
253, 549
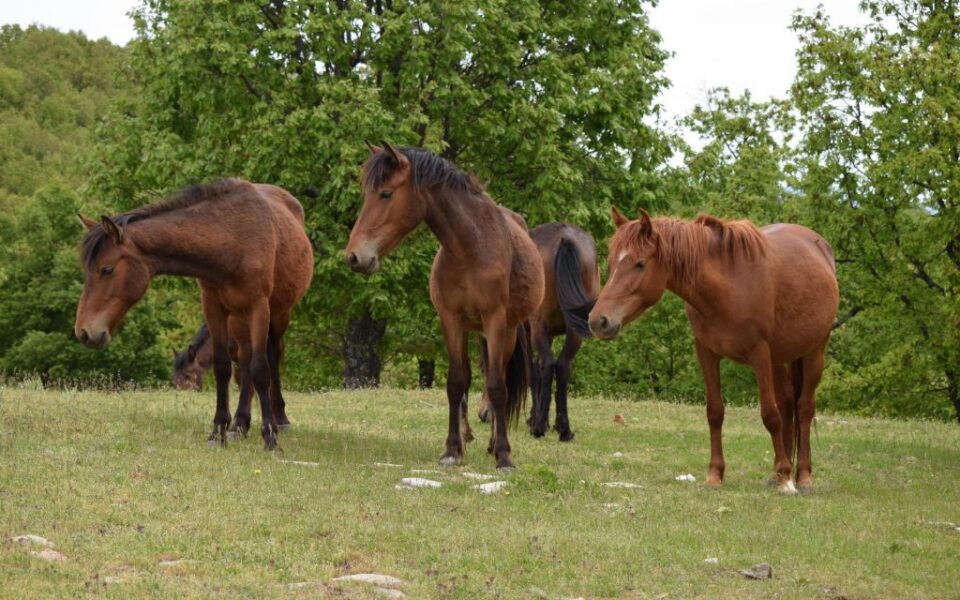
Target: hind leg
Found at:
786, 405
570, 348
216, 318
465, 431
278, 327
483, 412
540, 411
812, 369
501, 343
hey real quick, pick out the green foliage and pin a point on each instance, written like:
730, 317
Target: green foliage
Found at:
880, 161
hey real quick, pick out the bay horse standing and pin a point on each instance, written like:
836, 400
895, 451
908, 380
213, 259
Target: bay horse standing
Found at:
763, 297
245, 244
571, 285
486, 277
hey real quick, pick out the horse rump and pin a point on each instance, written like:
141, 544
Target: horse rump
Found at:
571, 295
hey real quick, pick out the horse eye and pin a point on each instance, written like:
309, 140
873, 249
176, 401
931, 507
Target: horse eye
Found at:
106, 271
385, 195
641, 264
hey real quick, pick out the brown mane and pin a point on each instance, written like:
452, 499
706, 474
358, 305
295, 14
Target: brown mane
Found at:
184, 198
682, 245
428, 170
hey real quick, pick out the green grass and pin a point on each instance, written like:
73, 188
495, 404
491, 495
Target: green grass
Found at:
120, 481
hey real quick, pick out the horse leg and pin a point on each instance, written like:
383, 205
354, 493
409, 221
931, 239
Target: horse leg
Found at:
465, 432
812, 368
770, 413
710, 368
501, 340
275, 347
241, 419
455, 338
258, 322
216, 317
483, 411
785, 404
570, 348
540, 411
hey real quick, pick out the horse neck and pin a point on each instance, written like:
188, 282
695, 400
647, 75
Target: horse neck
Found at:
456, 220
165, 242
691, 287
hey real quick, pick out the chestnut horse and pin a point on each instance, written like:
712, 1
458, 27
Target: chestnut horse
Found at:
486, 277
571, 284
245, 244
763, 297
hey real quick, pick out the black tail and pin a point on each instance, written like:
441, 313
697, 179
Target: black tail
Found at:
571, 296
518, 376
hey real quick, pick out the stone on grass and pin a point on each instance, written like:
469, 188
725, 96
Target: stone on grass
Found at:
688, 477
425, 471
477, 476
420, 482
388, 593
760, 571
489, 488
712, 560
305, 463
29, 538
383, 464
374, 578
622, 484
173, 562
618, 454
48, 554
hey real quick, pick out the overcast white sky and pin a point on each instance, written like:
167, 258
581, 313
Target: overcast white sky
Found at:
740, 44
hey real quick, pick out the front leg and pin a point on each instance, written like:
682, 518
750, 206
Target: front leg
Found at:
458, 377
258, 322
710, 367
770, 413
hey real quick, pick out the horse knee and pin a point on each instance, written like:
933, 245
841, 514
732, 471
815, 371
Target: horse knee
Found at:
771, 419
715, 416
259, 369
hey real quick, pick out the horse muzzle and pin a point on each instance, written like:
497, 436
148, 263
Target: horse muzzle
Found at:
362, 264
603, 328
96, 340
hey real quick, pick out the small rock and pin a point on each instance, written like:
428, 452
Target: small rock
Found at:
388, 593
425, 471
420, 482
489, 488
760, 571
712, 560
618, 454
686, 477
477, 476
300, 585
622, 484
539, 593
305, 463
113, 579
173, 562
48, 554
619, 419
374, 578
383, 464
29, 538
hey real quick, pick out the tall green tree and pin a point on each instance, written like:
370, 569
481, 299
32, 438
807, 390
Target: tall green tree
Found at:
545, 101
879, 108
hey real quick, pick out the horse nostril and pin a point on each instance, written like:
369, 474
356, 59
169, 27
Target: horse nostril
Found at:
103, 339
352, 260
603, 322
83, 336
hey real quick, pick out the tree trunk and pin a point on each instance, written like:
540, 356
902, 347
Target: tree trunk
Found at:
361, 351
953, 390
426, 369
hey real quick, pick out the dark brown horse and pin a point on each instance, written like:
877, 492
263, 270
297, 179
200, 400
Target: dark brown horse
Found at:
245, 244
571, 284
763, 297
486, 276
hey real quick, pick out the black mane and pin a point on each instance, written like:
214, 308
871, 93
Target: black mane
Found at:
429, 171
186, 197
182, 358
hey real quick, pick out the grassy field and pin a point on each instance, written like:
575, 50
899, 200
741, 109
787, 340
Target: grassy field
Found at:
125, 487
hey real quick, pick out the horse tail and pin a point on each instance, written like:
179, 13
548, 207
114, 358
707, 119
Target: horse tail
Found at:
796, 373
518, 376
571, 295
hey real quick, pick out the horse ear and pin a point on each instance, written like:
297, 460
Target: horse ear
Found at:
646, 225
89, 224
113, 230
373, 149
397, 156
619, 220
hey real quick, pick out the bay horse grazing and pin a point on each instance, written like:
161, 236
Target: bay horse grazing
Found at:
763, 297
245, 244
571, 284
486, 277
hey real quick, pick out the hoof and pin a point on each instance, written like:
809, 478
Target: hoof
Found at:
213, 443
537, 432
771, 482
505, 465
450, 461
270, 442
283, 426
788, 489
566, 436
235, 434
713, 484
805, 487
